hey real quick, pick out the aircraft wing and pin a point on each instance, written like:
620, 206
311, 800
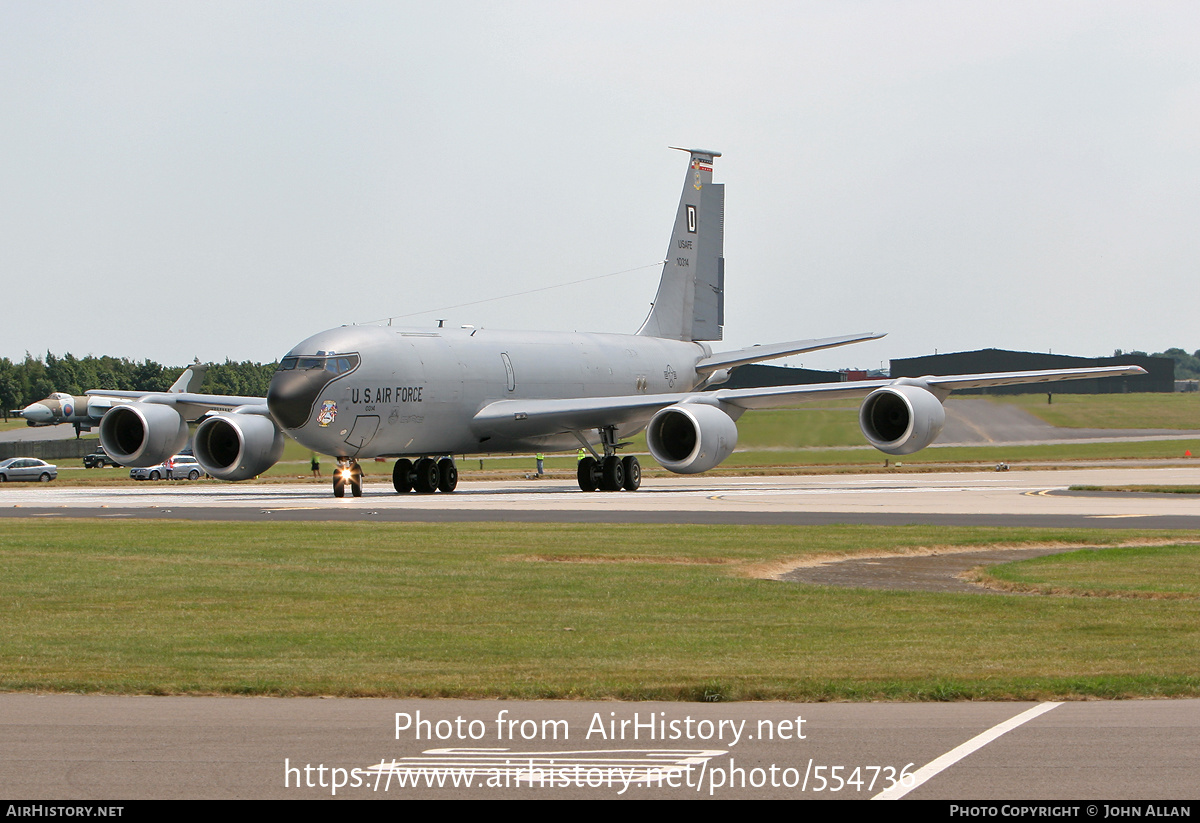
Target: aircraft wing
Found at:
941, 385
534, 417
190, 404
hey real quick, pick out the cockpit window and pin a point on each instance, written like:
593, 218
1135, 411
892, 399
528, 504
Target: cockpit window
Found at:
335, 365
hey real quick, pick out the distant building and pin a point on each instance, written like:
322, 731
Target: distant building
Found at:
1160, 376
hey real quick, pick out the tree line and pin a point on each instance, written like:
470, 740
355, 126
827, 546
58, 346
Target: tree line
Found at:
1187, 366
29, 381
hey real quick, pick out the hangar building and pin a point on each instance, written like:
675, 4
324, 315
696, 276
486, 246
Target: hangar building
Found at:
1160, 376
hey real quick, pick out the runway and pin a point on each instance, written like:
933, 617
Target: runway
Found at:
97, 747
1030, 498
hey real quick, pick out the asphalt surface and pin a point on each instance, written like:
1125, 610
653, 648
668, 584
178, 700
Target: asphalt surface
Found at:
110, 747
25, 434
1028, 498
975, 421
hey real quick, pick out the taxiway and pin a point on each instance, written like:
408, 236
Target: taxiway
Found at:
1040, 497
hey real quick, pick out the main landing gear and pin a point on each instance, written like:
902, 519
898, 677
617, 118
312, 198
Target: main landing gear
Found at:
427, 475
609, 473
347, 473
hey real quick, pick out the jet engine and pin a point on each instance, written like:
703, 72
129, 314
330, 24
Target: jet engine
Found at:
901, 419
237, 446
142, 434
689, 438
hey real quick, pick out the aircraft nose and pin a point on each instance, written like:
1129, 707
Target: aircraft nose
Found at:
37, 413
292, 394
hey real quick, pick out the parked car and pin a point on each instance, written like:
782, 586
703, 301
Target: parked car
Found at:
185, 467
27, 468
98, 460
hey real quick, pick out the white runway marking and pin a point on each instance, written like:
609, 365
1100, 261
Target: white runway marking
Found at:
956, 754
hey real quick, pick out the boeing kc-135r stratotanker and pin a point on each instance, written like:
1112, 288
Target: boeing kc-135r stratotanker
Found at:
424, 395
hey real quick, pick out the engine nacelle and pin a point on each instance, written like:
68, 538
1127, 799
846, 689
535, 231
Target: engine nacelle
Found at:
901, 419
142, 434
237, 446
689, 438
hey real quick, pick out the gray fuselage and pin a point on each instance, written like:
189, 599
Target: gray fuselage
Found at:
372, 391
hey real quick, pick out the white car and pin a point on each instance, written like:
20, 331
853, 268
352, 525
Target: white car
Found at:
27, 468
185, 468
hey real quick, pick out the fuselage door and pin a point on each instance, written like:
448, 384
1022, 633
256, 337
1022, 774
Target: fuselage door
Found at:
365, 426
508, 372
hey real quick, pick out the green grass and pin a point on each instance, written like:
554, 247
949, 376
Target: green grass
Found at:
1151, 410
1162, 571
471, 610
827, 426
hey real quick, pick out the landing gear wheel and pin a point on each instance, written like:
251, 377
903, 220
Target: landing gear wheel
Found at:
402, 476
612, 476
447, 475
633, 472
339, 484
586, 474
356, 480
426, 476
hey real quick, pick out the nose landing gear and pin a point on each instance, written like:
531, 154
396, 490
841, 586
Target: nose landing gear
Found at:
347, 473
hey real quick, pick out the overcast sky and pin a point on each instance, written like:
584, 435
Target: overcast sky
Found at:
221, 180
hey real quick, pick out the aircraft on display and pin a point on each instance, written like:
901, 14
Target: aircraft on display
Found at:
86, 412
424, 395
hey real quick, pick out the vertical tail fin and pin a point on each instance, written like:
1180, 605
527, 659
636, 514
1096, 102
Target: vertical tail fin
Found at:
690, 304
191, 380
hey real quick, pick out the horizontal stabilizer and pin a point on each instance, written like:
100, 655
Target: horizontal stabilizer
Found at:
755, 354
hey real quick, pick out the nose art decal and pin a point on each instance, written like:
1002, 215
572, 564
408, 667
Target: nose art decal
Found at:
327, 414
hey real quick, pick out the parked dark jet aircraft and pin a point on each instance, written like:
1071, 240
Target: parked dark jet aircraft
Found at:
425, 395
